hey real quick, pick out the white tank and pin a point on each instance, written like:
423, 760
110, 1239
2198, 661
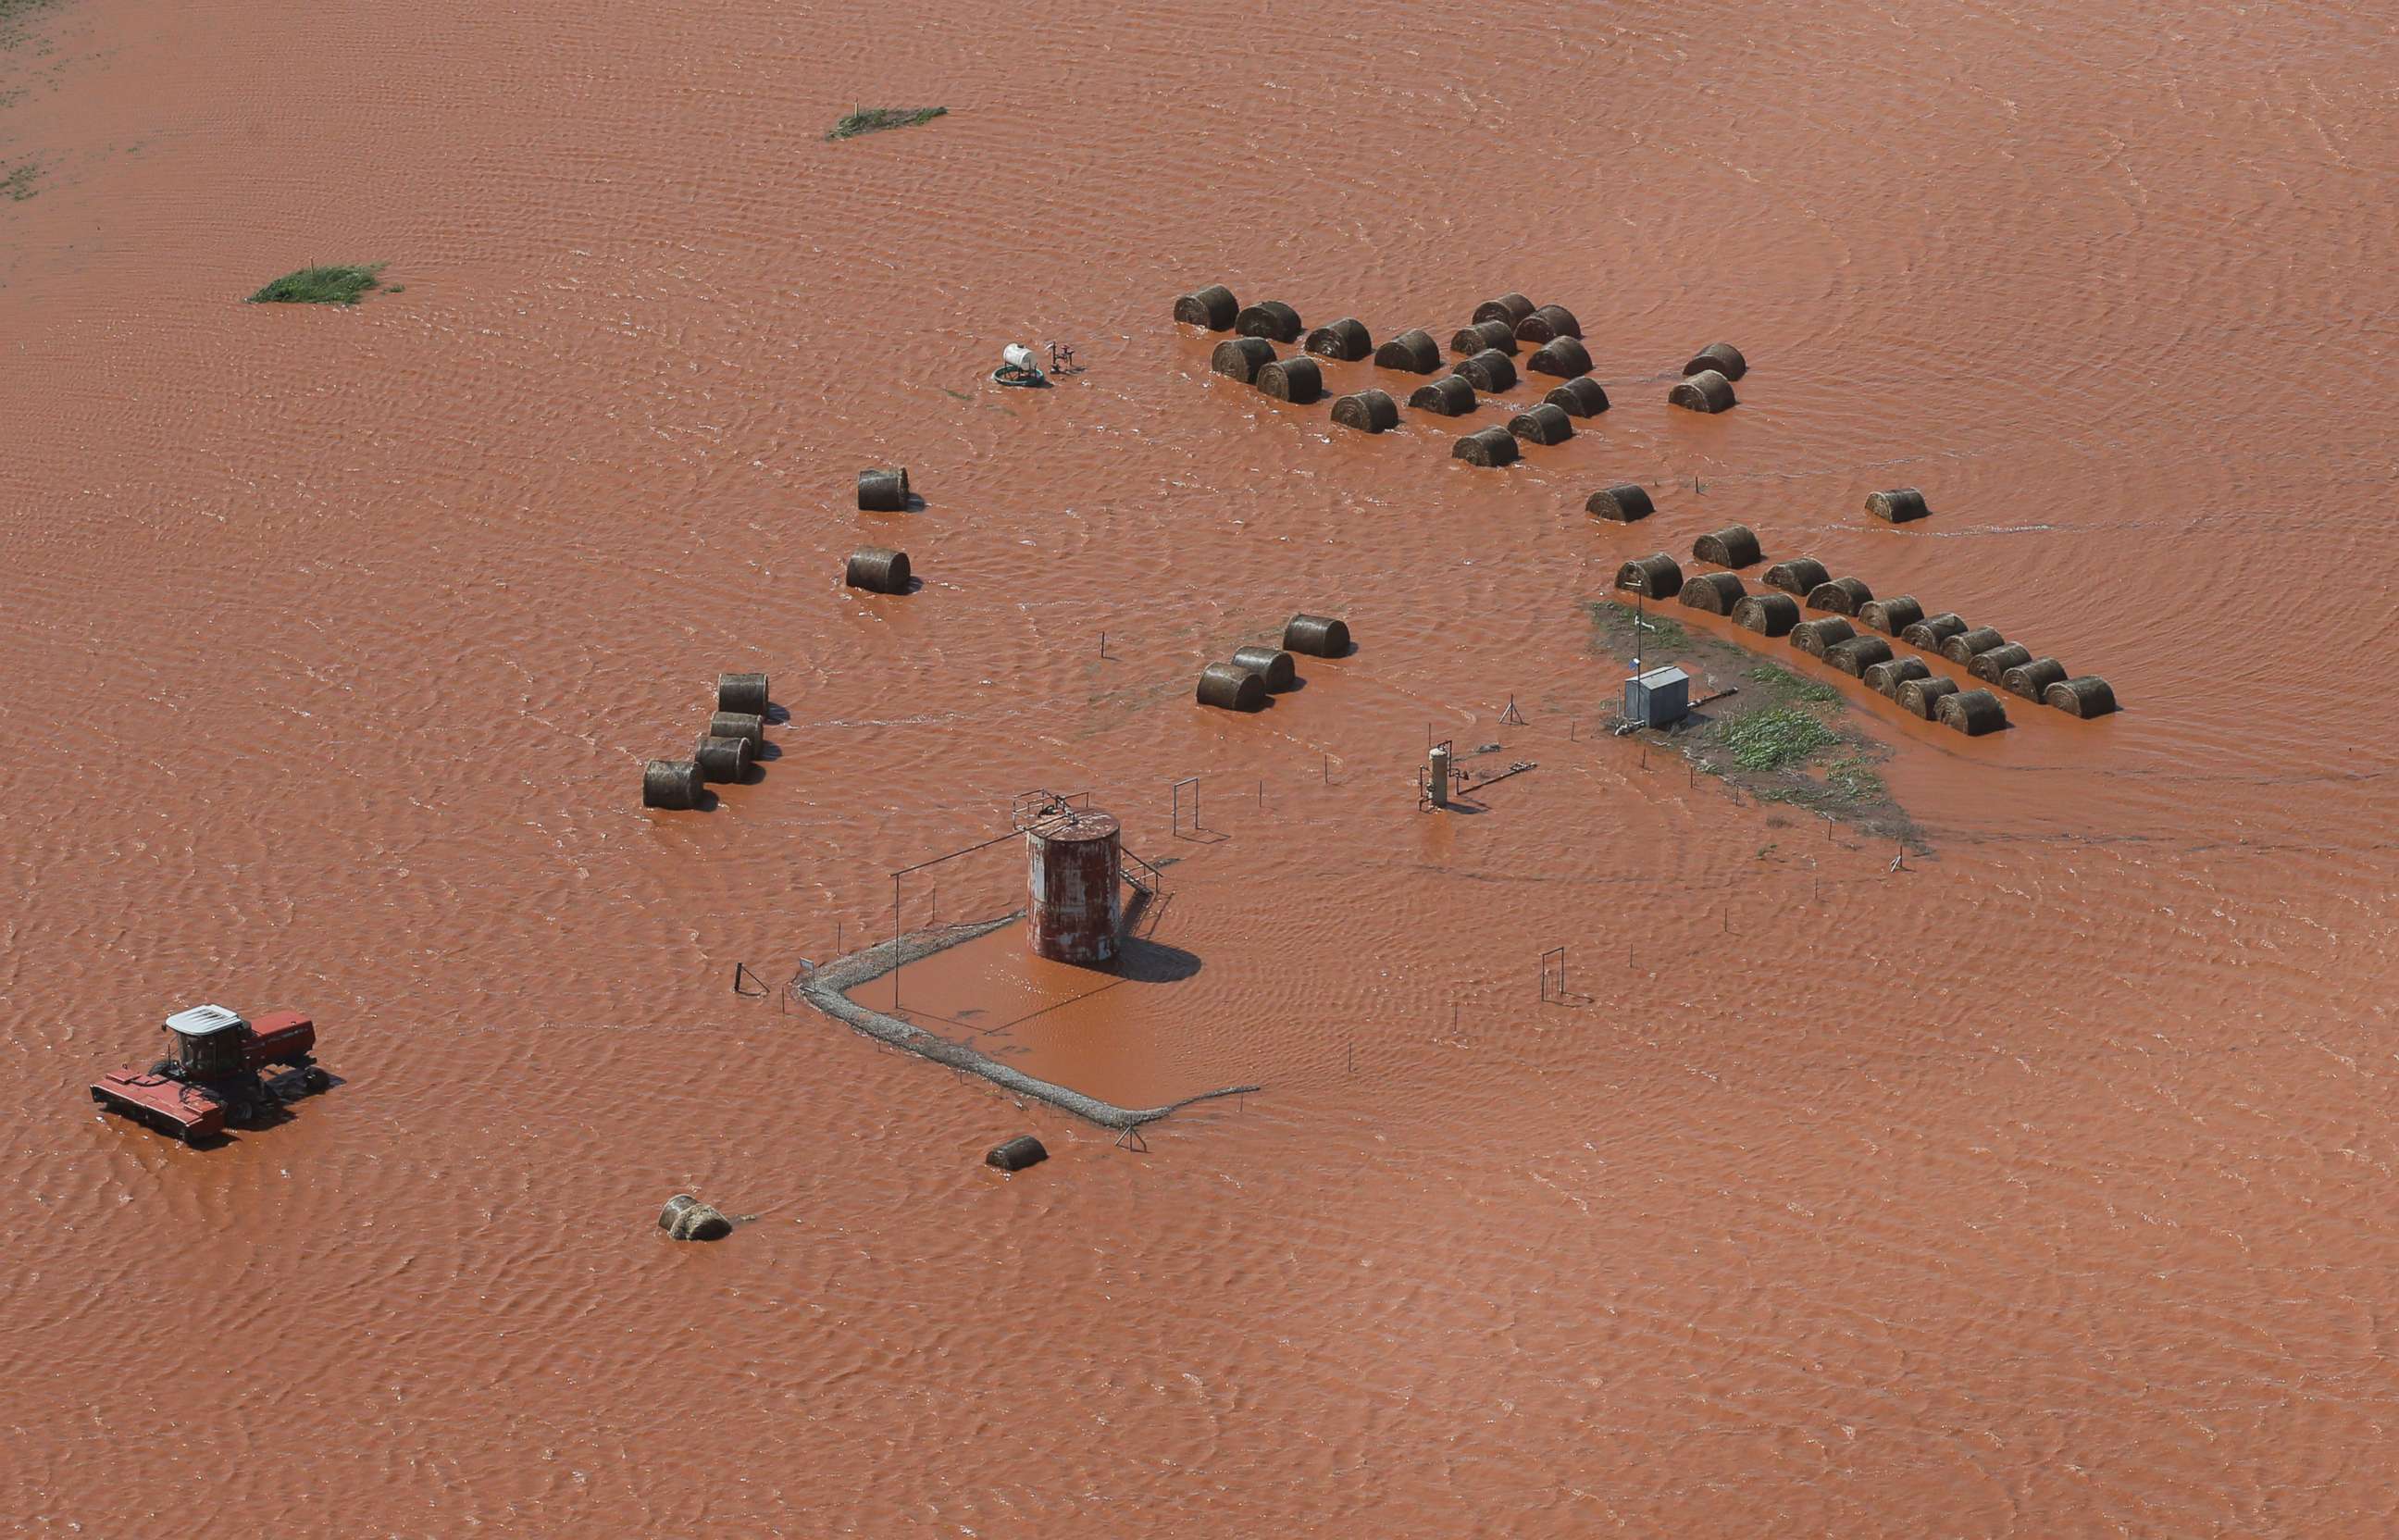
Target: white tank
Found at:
1437, 774
1016, 356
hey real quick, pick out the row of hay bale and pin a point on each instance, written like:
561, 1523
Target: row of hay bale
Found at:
737, 730
1348, 340
1898, 505
1258, 671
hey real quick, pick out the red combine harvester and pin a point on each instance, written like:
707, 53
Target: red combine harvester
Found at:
212, 1077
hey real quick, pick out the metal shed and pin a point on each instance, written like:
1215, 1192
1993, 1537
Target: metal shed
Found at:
1659, 697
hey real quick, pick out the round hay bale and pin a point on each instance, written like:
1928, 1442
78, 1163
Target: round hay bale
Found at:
741, 693
1817, 637
1962, 647
1973, 713
1840, 595
1921, 697
1510, 307
1621, 503
1346, 339
1889, 676
1799, 576
1722, 357
877, 568
1242, 358
1990, 667
1897, 505
1932, 631
1272, 664
1482, 337
673, 1209
1413, 351
883, 491
1733, 546
1890, 616
1854, 656
1766, 613
672, 784
1017, 1153
1706, 391
1566, 358
724, 760
1548, 324
1579, 398
1656, 577
1298, 381
1367, 410
1490, 371
1230, 688
1543, 425
1315, 635
746, 725
2032, 680
1490, 446
1213, 307
1451, 396
1270, 319
1713, 593
2084, 695
686, 1218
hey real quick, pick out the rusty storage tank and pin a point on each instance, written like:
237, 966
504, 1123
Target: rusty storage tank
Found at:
1074, 870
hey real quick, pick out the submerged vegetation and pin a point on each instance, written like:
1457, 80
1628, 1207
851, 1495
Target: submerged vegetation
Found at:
1774, 738
18, 185
321, 286
1774, 676
867, 120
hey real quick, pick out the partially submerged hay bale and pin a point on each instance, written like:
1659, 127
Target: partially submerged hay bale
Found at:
1766, 613
1316, 635
1656, 577
672, 784
1490, 446
1722, 358
1798, 576
1213, 307
1270, 663
1713, 593
1816, 637
1889, 676
1230, 688
1621, 503
1934, 629
877, 568
1733, 546
1367, 410
1543, 425
1346, 339
1298, 381
686, 1218
2032, 680
1892, 615
1854, 656
1921, 697
1510, 307
741, 693
1973, 713
1482, 337
749, 726
1564, 359
1706, 391
1242, 358
1016, 1154
1413, 351
1490, 371
2084, 695
1992, 666
1451, 396
1548, 324
1964, 647
1271, 320
1580, 397
883, 491
1840, 595
1897, 505
720, 759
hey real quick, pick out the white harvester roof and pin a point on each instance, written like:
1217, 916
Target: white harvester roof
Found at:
201, 1020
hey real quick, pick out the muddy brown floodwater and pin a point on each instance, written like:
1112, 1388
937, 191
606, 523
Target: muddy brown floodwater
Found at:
2042, 1186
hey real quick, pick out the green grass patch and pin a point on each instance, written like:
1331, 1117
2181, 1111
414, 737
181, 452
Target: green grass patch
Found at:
1796, 686
321, 286
1773, 739
18, 185
867, 120
1853, 780
1619, 622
